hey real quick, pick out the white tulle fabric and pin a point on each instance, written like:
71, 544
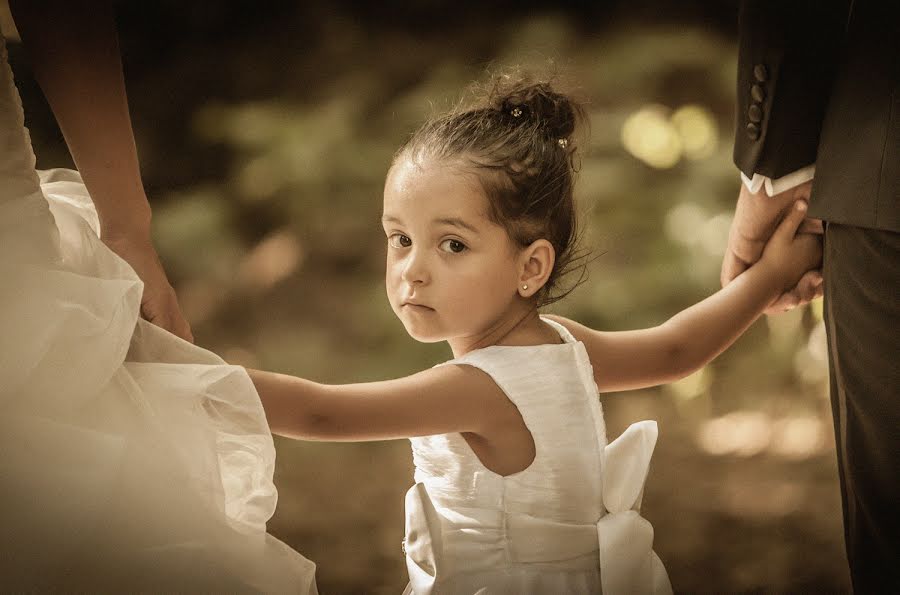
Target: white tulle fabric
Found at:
569, 523
130, 460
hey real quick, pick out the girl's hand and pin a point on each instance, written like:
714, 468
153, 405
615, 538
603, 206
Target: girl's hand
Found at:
794, 259
159, 304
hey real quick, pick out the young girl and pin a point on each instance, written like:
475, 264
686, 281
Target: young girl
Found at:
517, 490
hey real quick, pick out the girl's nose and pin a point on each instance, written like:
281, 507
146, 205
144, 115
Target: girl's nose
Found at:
415, 269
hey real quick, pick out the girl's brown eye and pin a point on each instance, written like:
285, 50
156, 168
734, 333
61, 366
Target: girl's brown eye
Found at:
454, 246
398, 240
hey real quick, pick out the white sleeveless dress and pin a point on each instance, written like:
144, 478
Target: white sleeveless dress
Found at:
569, 523
130, 460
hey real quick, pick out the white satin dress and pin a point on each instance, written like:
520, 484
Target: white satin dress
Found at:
130, 460
568, 524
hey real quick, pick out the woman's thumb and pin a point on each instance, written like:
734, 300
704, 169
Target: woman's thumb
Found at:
791, 222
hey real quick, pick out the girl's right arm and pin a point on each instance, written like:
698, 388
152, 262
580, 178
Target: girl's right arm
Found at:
439, 400
693, 337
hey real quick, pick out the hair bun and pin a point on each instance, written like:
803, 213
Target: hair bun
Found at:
536, 102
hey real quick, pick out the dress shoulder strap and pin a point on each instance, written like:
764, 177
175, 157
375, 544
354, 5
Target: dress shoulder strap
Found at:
523, 371
552, 385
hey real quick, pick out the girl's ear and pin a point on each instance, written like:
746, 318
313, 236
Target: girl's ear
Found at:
535, 265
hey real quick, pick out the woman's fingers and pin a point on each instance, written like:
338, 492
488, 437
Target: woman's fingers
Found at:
164, 312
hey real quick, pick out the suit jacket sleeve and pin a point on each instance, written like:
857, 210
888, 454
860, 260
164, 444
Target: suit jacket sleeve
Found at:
787, 58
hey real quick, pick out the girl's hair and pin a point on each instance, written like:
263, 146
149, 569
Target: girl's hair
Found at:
519, 137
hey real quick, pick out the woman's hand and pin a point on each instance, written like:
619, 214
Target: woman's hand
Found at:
75, 57
159, 305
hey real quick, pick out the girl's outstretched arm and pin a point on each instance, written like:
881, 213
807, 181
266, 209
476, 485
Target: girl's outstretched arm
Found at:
439, 400
693, 337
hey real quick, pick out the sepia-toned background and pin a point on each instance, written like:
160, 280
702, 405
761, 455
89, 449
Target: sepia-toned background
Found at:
265, 133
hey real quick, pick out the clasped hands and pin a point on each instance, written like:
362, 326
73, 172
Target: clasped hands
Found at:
755, 219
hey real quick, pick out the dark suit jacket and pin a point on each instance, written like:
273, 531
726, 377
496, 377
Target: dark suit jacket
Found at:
819, 81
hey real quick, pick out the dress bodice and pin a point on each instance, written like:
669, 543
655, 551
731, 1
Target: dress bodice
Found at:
24, 208
16, 157
553, 388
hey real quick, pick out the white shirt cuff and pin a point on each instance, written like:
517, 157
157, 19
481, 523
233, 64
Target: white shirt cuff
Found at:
781, 184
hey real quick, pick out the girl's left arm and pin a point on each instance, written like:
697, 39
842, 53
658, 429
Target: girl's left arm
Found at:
628, 360
693, 337
439, 400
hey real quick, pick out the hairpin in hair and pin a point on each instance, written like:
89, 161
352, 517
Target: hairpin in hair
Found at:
515, 112
563, 142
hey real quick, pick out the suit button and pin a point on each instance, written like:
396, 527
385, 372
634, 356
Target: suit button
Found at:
753, 131
757, 93
755, 114
760, 73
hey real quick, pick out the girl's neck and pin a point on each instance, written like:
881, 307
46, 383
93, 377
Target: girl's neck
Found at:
521, 327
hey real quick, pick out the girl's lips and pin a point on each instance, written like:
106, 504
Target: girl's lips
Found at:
418, 307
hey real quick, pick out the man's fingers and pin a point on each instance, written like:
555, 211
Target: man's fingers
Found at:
786, 301
810, 287
811, 225
802, 191
818, 286
732, 266
746, 248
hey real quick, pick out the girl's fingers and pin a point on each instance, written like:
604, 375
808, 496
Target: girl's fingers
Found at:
788, 227
810, 247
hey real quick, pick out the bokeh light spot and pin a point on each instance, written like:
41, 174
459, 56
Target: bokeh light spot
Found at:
270, 261
692, 386
697, 129
648, 134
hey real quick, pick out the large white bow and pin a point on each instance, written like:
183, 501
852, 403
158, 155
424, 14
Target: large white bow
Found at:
628, 564
422, 544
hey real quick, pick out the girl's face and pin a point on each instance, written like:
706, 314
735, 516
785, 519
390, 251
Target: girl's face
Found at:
451, 271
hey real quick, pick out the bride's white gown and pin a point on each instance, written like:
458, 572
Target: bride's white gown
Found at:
129, 459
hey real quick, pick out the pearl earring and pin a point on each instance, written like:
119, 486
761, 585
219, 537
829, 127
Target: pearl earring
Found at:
525, 288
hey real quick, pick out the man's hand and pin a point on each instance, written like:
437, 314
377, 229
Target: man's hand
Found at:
790, 255
755, 219
159, 304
